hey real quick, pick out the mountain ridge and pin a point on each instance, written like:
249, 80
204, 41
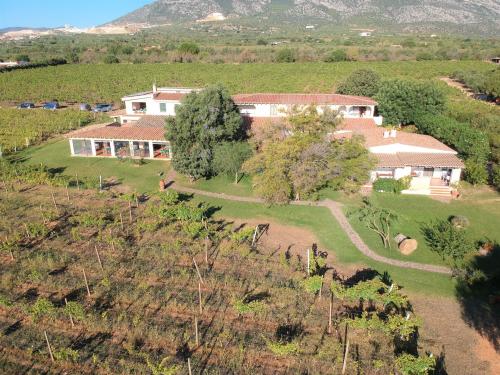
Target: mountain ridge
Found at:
480, 14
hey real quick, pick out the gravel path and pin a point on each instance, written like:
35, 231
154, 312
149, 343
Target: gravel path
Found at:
337, 212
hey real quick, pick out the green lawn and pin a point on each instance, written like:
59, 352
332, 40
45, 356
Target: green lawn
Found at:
220, 184
56, 154
319, 221
413, 211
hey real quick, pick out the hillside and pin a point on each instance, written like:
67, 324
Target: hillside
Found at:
480, 16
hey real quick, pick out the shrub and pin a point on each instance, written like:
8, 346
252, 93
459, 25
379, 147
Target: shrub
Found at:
286, 55
111, 59
475, 172
460, 222
401, 101
42, 307
451, 243
66, 354
495, 176
410, 365
336, 56
389, 185
189, 47
243, 307
363, 82
313, 284
281, 349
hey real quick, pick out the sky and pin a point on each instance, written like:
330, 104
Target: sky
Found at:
54, 13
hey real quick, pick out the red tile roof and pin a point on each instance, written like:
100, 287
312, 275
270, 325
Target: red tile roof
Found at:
117, 132
374, 135
412, 159
302, 99
175, 96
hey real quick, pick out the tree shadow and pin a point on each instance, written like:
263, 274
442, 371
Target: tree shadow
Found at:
479, 295
361, 275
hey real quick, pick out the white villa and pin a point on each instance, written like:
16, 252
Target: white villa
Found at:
138, 132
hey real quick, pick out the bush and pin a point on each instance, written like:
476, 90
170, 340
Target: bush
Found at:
261, 42
189, 47
475, 172
495, 176
460, 222
286, 55
469, 142
401, 101
451, 243
336, 56
390, 185
363, 82
111, 59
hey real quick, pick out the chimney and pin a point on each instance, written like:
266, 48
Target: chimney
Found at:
394, 133
386, 134
155, 89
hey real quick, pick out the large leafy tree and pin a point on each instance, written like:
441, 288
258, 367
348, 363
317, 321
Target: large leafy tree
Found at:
402, 101
202, 121
362, 82
230, 156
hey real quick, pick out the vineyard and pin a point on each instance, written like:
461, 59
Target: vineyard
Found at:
98, 283
102, 83
21, 128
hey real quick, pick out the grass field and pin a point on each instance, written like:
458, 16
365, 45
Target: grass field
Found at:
94, 83
413, 211
56, 154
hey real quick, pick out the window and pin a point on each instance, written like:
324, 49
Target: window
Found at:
274, 110
163, 107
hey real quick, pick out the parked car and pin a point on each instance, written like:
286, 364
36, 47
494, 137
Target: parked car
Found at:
51, 105
26, 105
85, 107
103, 107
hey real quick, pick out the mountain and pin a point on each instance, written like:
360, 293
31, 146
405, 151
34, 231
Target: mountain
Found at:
480, 15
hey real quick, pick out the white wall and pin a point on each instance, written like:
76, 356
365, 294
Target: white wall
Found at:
398, 147
282, 110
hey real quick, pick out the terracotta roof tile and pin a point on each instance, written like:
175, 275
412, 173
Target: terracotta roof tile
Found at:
411, 159
150, 122
117, 132
374, 135
302, 99
177, 96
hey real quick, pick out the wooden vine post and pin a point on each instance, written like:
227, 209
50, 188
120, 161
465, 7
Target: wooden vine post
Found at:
197, 340
189, 367
330, 315
53, 199
199, 298
70, 316
308, 263
98, 257
48, 346
130, 211
344, 364
77, 182
121, 220
198, 271
86, 281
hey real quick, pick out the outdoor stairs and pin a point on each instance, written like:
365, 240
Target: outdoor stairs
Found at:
441, 191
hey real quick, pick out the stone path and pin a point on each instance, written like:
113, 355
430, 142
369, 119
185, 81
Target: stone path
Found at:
337, 212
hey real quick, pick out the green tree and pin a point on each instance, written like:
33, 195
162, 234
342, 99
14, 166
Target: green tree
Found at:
475, 171
377, 219
402, 101
23, 57
453, 244
286, 55
189, 47
363, 82
337, 56
229, 157
203, 120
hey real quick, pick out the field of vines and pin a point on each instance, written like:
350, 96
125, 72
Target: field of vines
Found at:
102, 83
21, 128
97, 283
